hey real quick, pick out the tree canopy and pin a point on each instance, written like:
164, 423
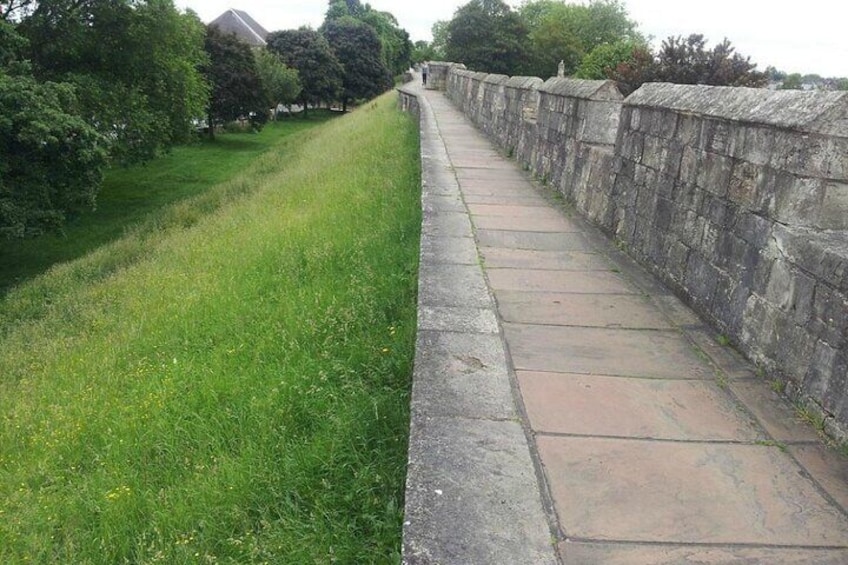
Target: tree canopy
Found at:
569, 32
237, 89
687, 61
487, 35
318, 68
395, 45
280, 83
51, 159
358, 49
135, 65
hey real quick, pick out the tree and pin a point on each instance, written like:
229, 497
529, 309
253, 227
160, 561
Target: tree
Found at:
135, 65
487, 35
51, 160
792, 82
687, 61
440, 40
280, 84
423, 51
357, 48
236, 87
569, 32
605, 58
318, 68
395, 45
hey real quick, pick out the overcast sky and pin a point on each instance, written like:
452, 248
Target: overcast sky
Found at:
806, 36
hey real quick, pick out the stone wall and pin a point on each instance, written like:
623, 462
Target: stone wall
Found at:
737, 198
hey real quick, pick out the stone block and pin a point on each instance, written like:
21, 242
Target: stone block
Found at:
759, 142
743, 187
714, 173
701, 279
688, 129
754, 229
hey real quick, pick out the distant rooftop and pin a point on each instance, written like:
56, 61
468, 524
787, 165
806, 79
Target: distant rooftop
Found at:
241, 24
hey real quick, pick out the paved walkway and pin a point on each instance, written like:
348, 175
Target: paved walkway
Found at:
613, 427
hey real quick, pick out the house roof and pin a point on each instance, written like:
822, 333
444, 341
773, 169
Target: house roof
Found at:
241, 24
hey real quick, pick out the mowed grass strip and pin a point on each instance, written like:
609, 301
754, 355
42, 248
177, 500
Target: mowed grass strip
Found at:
238, 391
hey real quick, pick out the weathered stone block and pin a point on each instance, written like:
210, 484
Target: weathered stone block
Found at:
714, 173
744, 182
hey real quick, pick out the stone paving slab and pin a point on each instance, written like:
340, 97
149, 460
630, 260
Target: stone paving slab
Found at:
452, 285
540, 211
829, 468
451, 224
519, 223
597, 351
775, 416
636, 408
533, 240
569, 309
465, 469
448, 250
533, 280
676, 492
466, 376
632, 554
503, 258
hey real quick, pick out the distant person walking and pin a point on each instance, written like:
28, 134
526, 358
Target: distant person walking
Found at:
425, 70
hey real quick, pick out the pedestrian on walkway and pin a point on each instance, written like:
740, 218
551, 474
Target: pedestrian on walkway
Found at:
425, 70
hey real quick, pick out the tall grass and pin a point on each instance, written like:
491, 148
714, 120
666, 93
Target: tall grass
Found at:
231, 387
130, 194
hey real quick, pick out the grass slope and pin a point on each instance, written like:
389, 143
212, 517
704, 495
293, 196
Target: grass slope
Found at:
130, 194
228, 383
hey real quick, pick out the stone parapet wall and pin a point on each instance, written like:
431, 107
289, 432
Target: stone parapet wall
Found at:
735, 197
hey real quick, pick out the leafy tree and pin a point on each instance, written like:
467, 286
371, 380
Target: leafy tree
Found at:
487, 35
687, 61
357, 48
395, 45
318, 68
280, 84
793, 81
440, 40
423, 51
51, 160
568, 32
236, 86
605, 58
842, 84
135, 65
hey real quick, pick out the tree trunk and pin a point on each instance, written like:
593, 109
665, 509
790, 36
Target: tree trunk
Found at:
211, 125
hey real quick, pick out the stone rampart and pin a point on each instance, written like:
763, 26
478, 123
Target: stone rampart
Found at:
737, 198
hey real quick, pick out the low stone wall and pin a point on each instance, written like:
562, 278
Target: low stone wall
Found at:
737, 198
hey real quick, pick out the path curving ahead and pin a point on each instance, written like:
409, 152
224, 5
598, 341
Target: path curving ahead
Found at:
567, 408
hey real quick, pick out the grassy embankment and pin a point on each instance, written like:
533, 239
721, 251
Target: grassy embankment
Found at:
130, 194
228, 382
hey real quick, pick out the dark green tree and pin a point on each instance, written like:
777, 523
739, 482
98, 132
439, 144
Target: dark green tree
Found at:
51, 160
396, 47
135, 65
357, 48
488, 36
318, 68
237, 90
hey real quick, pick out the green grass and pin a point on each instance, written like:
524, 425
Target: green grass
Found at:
229, 381
130, 194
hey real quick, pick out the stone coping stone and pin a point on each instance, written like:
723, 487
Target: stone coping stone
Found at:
587, 89
816, 112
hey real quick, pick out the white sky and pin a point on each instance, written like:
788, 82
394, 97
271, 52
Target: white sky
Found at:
808, 36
